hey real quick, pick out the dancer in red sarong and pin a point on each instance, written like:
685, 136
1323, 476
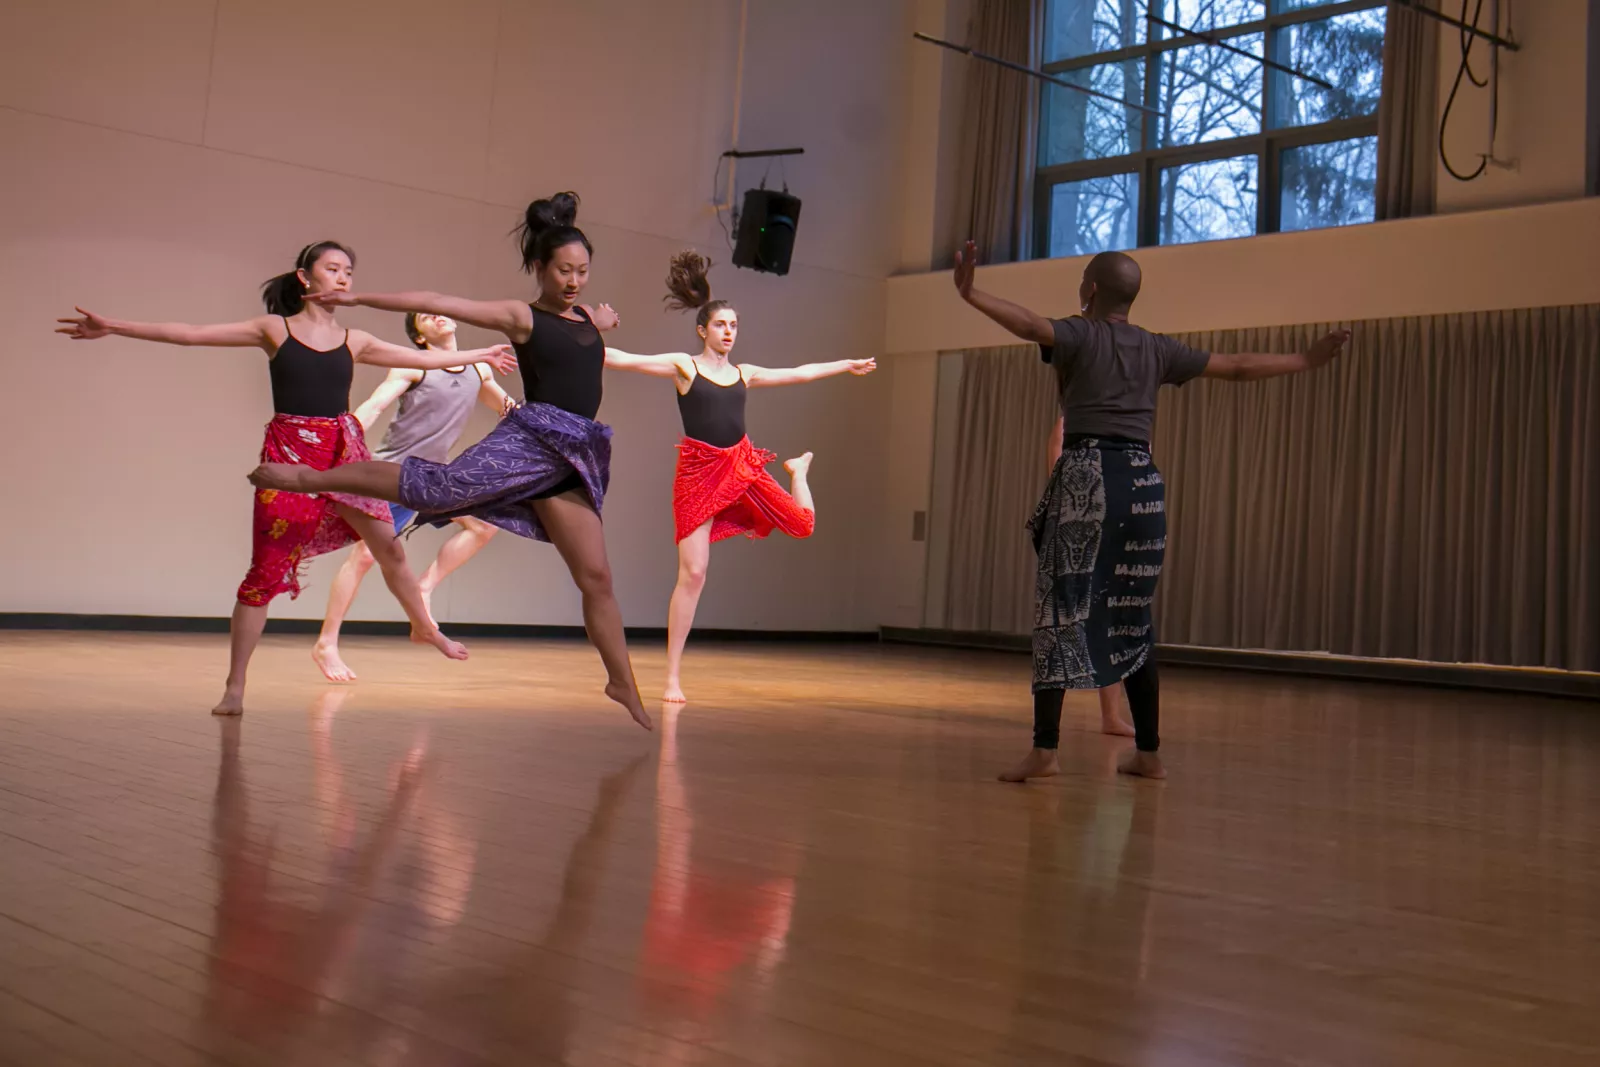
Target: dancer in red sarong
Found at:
311, 359
722, 487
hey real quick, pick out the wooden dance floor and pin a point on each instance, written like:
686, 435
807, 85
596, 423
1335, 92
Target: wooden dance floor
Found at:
811, 864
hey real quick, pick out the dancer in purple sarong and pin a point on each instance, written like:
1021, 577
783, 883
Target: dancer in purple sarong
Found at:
543, 471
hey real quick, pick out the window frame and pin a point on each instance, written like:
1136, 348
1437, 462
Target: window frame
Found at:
1267, 146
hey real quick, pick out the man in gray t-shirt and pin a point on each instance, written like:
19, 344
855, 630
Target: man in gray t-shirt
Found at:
1108, 372
1100, 530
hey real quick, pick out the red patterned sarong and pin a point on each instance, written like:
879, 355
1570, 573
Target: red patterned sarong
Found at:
731, 486
290, 528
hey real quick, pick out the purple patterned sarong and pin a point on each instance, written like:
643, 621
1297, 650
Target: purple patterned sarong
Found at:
532, 452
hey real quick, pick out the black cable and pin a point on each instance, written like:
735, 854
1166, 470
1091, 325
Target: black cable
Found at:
716, 202
1465, 69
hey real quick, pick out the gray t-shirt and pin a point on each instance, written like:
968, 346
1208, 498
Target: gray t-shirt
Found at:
1109, 373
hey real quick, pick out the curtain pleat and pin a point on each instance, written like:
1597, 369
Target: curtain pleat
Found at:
1434, 495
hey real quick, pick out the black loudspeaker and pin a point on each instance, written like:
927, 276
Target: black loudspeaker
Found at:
767, 226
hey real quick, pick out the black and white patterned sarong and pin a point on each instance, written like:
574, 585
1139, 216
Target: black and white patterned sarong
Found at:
1101, 532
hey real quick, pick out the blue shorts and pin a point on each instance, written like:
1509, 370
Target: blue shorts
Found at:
402, 516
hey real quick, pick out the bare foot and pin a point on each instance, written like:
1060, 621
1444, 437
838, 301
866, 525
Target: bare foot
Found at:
628, 697
325, 654
1039, 763
232, 703
289, 477
427, 601
799, 464
1141, 765
674, 694
1116, 725
451, 649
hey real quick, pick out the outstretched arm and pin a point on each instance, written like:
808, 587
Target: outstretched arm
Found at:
1253, 366
388, 391
667, 365
1028, 325
755, 376
252, 333
490, 395
368, 349
509, 317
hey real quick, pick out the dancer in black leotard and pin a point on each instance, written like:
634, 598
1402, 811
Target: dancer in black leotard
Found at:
310, 359
722, 487
542, 472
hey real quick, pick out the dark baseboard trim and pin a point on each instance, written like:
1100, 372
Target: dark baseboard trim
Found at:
1543, 682
196, 624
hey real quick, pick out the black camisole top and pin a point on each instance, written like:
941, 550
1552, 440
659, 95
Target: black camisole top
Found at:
713, 413
562, 363
309, 381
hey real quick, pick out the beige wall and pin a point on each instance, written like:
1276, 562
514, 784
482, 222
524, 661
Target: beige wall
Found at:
1513, 257
1543, 109
163, 158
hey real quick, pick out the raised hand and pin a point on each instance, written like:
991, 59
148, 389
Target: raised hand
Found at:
861, 366
333, 298
606, 318
1327, 347
966, 267
502, 358
86, 327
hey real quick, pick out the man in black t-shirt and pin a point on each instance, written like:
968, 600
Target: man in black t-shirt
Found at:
1101, 527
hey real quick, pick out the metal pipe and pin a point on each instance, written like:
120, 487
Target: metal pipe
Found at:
738, 94
1020, 69
1493, 38
1217, 42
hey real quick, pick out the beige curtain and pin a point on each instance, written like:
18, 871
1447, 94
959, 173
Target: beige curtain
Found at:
1408, 122
1008, 406
994, 190
1433, 495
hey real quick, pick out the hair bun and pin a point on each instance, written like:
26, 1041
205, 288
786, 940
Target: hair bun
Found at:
558, 210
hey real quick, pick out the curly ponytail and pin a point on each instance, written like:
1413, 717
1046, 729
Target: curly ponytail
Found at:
689, 287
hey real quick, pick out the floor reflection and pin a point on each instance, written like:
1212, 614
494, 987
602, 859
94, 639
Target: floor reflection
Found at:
289, 950
524, 1010
707, 929
1085, 924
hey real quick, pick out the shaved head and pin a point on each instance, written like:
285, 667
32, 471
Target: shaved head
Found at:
1115, 279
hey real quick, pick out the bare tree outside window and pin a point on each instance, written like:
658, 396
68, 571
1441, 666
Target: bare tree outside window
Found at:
1235, 149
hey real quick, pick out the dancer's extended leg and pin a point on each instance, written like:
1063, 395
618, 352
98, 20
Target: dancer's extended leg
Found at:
799, 485
1144, 700
325, 653
468, 542
1042, 761
372, 477
244, 634
694, 553
380, 540
575, 530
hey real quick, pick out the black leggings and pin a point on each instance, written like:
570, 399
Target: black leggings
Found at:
1144, 701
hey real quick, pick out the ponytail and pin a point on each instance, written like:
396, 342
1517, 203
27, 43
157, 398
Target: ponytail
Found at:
286, 294
689, 287
548, 226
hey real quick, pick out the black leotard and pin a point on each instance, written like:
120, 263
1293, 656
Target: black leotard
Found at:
713, 413
308, 381
562, 363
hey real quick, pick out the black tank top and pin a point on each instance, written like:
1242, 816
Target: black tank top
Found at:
713, 413
562, 363
306, 381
